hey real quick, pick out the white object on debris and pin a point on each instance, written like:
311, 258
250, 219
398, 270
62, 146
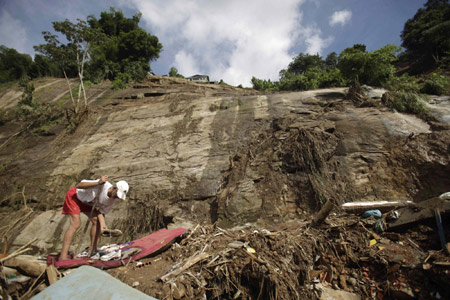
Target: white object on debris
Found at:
20, 279
236, 244
113, 255
110, 248
374, 203
445, 196
135, 284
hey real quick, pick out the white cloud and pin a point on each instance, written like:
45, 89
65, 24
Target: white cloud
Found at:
230, 40
186, 63
12, 32
316, 44
341, 17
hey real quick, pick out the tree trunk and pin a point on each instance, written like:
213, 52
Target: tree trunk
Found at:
70, 87
81, 76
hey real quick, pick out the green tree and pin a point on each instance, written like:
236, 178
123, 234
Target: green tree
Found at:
42, 66
79, 39
264, 85
352, 62
174, 73
331, 60
13, 65
127, 44
303, 62
373, 68
28, 89
426, 35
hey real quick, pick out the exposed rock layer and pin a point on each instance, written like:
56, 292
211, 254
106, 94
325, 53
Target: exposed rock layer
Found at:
217, 153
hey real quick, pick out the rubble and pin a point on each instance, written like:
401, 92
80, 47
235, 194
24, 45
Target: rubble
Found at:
295, 261
343, 256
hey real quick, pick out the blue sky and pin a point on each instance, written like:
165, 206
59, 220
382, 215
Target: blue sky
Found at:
231, 40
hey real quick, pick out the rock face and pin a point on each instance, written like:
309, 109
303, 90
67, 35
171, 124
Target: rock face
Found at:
216, 153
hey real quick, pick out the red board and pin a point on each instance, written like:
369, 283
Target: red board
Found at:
148, 245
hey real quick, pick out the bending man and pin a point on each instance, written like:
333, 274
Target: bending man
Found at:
95, 198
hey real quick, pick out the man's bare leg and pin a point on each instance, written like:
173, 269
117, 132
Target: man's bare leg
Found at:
75, 223
95, 233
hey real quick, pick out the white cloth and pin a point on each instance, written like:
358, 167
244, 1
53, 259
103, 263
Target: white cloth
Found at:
97, 194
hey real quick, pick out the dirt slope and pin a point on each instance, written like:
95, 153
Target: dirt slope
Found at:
215, 154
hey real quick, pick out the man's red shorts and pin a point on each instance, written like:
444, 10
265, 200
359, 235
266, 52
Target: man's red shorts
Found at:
73, 206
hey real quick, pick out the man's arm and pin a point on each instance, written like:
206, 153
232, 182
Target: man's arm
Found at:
86, 185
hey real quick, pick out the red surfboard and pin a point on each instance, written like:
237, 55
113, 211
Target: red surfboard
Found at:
148, 245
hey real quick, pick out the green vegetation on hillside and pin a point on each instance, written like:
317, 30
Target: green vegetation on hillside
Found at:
97, 49
128, 48
15, 65
426, 56
174, 73
426, 37
308, 72
74, 52
112, 47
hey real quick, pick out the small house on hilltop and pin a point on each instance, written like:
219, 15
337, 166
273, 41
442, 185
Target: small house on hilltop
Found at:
199, 78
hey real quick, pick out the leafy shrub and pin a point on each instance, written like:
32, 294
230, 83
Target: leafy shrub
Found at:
404, 83
324, 78
264, 85
314, 78
47, 117
28, 89
5, 116
372, 68
121, 80
174, 73
436, 84
136, 70
39, 118
297, 83
26, 105
406, 102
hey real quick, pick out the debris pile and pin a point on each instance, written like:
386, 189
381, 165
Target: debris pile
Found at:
347, 253
296, 260
242, 263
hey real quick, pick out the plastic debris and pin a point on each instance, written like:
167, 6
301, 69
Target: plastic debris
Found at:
369, 213
251, 250
379, 226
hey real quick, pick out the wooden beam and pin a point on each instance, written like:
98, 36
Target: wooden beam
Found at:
383, 206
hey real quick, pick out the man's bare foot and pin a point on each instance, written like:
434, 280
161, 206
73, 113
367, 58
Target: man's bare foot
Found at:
63, 257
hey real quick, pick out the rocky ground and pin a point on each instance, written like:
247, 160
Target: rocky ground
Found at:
213, 158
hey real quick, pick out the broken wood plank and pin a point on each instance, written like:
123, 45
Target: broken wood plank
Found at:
383, 206
190, 262
421, 211
442, 263
51, 274
17, 253
28, 264
324, 212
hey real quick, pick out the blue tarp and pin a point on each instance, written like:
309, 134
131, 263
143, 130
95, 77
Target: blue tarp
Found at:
90, 283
